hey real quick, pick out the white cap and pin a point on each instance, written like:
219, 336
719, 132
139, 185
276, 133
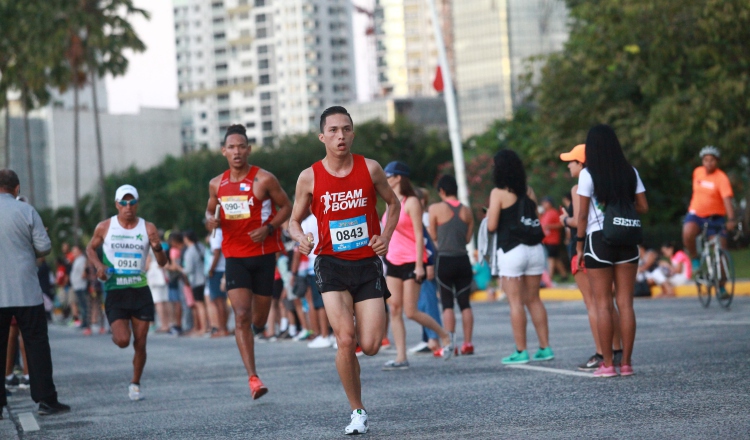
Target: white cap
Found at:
125, 190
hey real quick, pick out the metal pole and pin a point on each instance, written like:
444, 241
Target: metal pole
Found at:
454, 128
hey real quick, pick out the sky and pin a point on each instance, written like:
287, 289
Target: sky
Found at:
151, 79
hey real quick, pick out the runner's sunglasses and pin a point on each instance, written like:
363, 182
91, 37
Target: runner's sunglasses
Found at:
131, 202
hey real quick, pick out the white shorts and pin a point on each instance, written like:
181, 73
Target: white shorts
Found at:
658, 277
521, 260
160, 294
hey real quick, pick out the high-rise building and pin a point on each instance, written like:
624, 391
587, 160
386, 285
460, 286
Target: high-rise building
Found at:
493, 40
271, 65
407, 56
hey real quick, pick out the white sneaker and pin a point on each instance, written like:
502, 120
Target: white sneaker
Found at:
134, 392
302, 335
319, 342
358, 424
422, 346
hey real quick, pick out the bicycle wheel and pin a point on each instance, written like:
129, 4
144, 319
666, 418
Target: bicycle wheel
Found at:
725, 295
703, 284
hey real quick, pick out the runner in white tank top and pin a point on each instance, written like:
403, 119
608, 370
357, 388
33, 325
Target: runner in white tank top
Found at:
125, 240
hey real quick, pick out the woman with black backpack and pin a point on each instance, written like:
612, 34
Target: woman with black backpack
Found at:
612, 196
512, 213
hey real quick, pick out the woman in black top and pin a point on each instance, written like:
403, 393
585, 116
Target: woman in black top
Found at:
608, 179
521, 265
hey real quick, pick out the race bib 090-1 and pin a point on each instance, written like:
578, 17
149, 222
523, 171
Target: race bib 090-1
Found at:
236, 207
349, 234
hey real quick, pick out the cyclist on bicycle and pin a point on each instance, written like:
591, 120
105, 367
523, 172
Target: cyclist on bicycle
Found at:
710, 203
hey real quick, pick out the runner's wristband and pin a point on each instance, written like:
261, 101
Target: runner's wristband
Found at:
270, 228
158, 250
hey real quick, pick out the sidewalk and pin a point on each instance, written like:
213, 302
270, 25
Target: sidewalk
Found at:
570, 292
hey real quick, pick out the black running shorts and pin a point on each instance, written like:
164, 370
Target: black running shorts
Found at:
254, 273
401, 271
132, 302
598, 255
278, 288
199, 293
363, 279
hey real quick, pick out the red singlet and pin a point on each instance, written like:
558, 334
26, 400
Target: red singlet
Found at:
241, 213
346, 212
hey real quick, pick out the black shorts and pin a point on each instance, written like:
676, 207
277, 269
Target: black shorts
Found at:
553, 250
278, 287
254, 273
598, 255
132, 302
199, 292
401, 271
363, 279
454, 276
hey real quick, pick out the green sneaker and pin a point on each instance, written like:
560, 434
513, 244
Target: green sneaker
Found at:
517, 358
543, 354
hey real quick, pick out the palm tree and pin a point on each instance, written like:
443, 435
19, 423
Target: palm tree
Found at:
75, 58
105, 34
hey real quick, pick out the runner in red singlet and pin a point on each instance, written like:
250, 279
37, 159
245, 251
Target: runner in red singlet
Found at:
341, 191
248, 197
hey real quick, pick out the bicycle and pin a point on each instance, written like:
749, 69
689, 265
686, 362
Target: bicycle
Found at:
716, 272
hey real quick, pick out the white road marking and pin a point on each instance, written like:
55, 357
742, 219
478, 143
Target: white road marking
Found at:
716, 322
550, 370
28, 422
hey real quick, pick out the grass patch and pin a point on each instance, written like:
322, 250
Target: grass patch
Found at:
741, 259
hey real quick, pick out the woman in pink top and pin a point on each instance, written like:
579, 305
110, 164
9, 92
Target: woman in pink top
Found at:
676, 271
405, 270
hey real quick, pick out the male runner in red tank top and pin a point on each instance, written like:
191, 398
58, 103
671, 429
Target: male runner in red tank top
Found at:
341, 191
248, 197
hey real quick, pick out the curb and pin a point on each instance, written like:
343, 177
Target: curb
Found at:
741, 288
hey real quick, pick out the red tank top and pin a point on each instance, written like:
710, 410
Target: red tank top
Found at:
241, 213
346, 212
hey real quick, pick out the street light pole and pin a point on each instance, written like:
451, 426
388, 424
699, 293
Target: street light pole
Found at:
454, 128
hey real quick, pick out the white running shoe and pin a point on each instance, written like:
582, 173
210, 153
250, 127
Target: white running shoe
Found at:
302, 335
319, 342
358, 424
134, 392
420, 348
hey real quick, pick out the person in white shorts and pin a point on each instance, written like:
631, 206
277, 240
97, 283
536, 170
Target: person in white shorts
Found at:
520, 254
157, 282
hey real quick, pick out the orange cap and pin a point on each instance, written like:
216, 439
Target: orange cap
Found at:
577, 153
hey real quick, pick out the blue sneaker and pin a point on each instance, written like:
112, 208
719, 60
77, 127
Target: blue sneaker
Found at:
543, 354
518, 357
696, 264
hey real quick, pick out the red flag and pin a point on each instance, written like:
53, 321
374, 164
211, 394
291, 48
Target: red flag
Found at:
438, 82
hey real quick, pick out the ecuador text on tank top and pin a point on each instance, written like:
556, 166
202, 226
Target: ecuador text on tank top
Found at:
242, 213
346, 212
125, 251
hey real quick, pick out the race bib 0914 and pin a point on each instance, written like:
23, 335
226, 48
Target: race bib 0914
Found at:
126, 263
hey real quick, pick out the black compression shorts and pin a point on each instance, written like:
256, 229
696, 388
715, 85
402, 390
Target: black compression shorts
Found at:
254, 273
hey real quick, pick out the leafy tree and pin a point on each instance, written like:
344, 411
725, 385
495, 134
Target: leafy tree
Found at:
669, 76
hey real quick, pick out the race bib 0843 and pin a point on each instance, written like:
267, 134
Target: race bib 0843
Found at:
236, 207
349, 234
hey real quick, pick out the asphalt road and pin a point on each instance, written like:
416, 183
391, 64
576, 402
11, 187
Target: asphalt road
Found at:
691, 381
